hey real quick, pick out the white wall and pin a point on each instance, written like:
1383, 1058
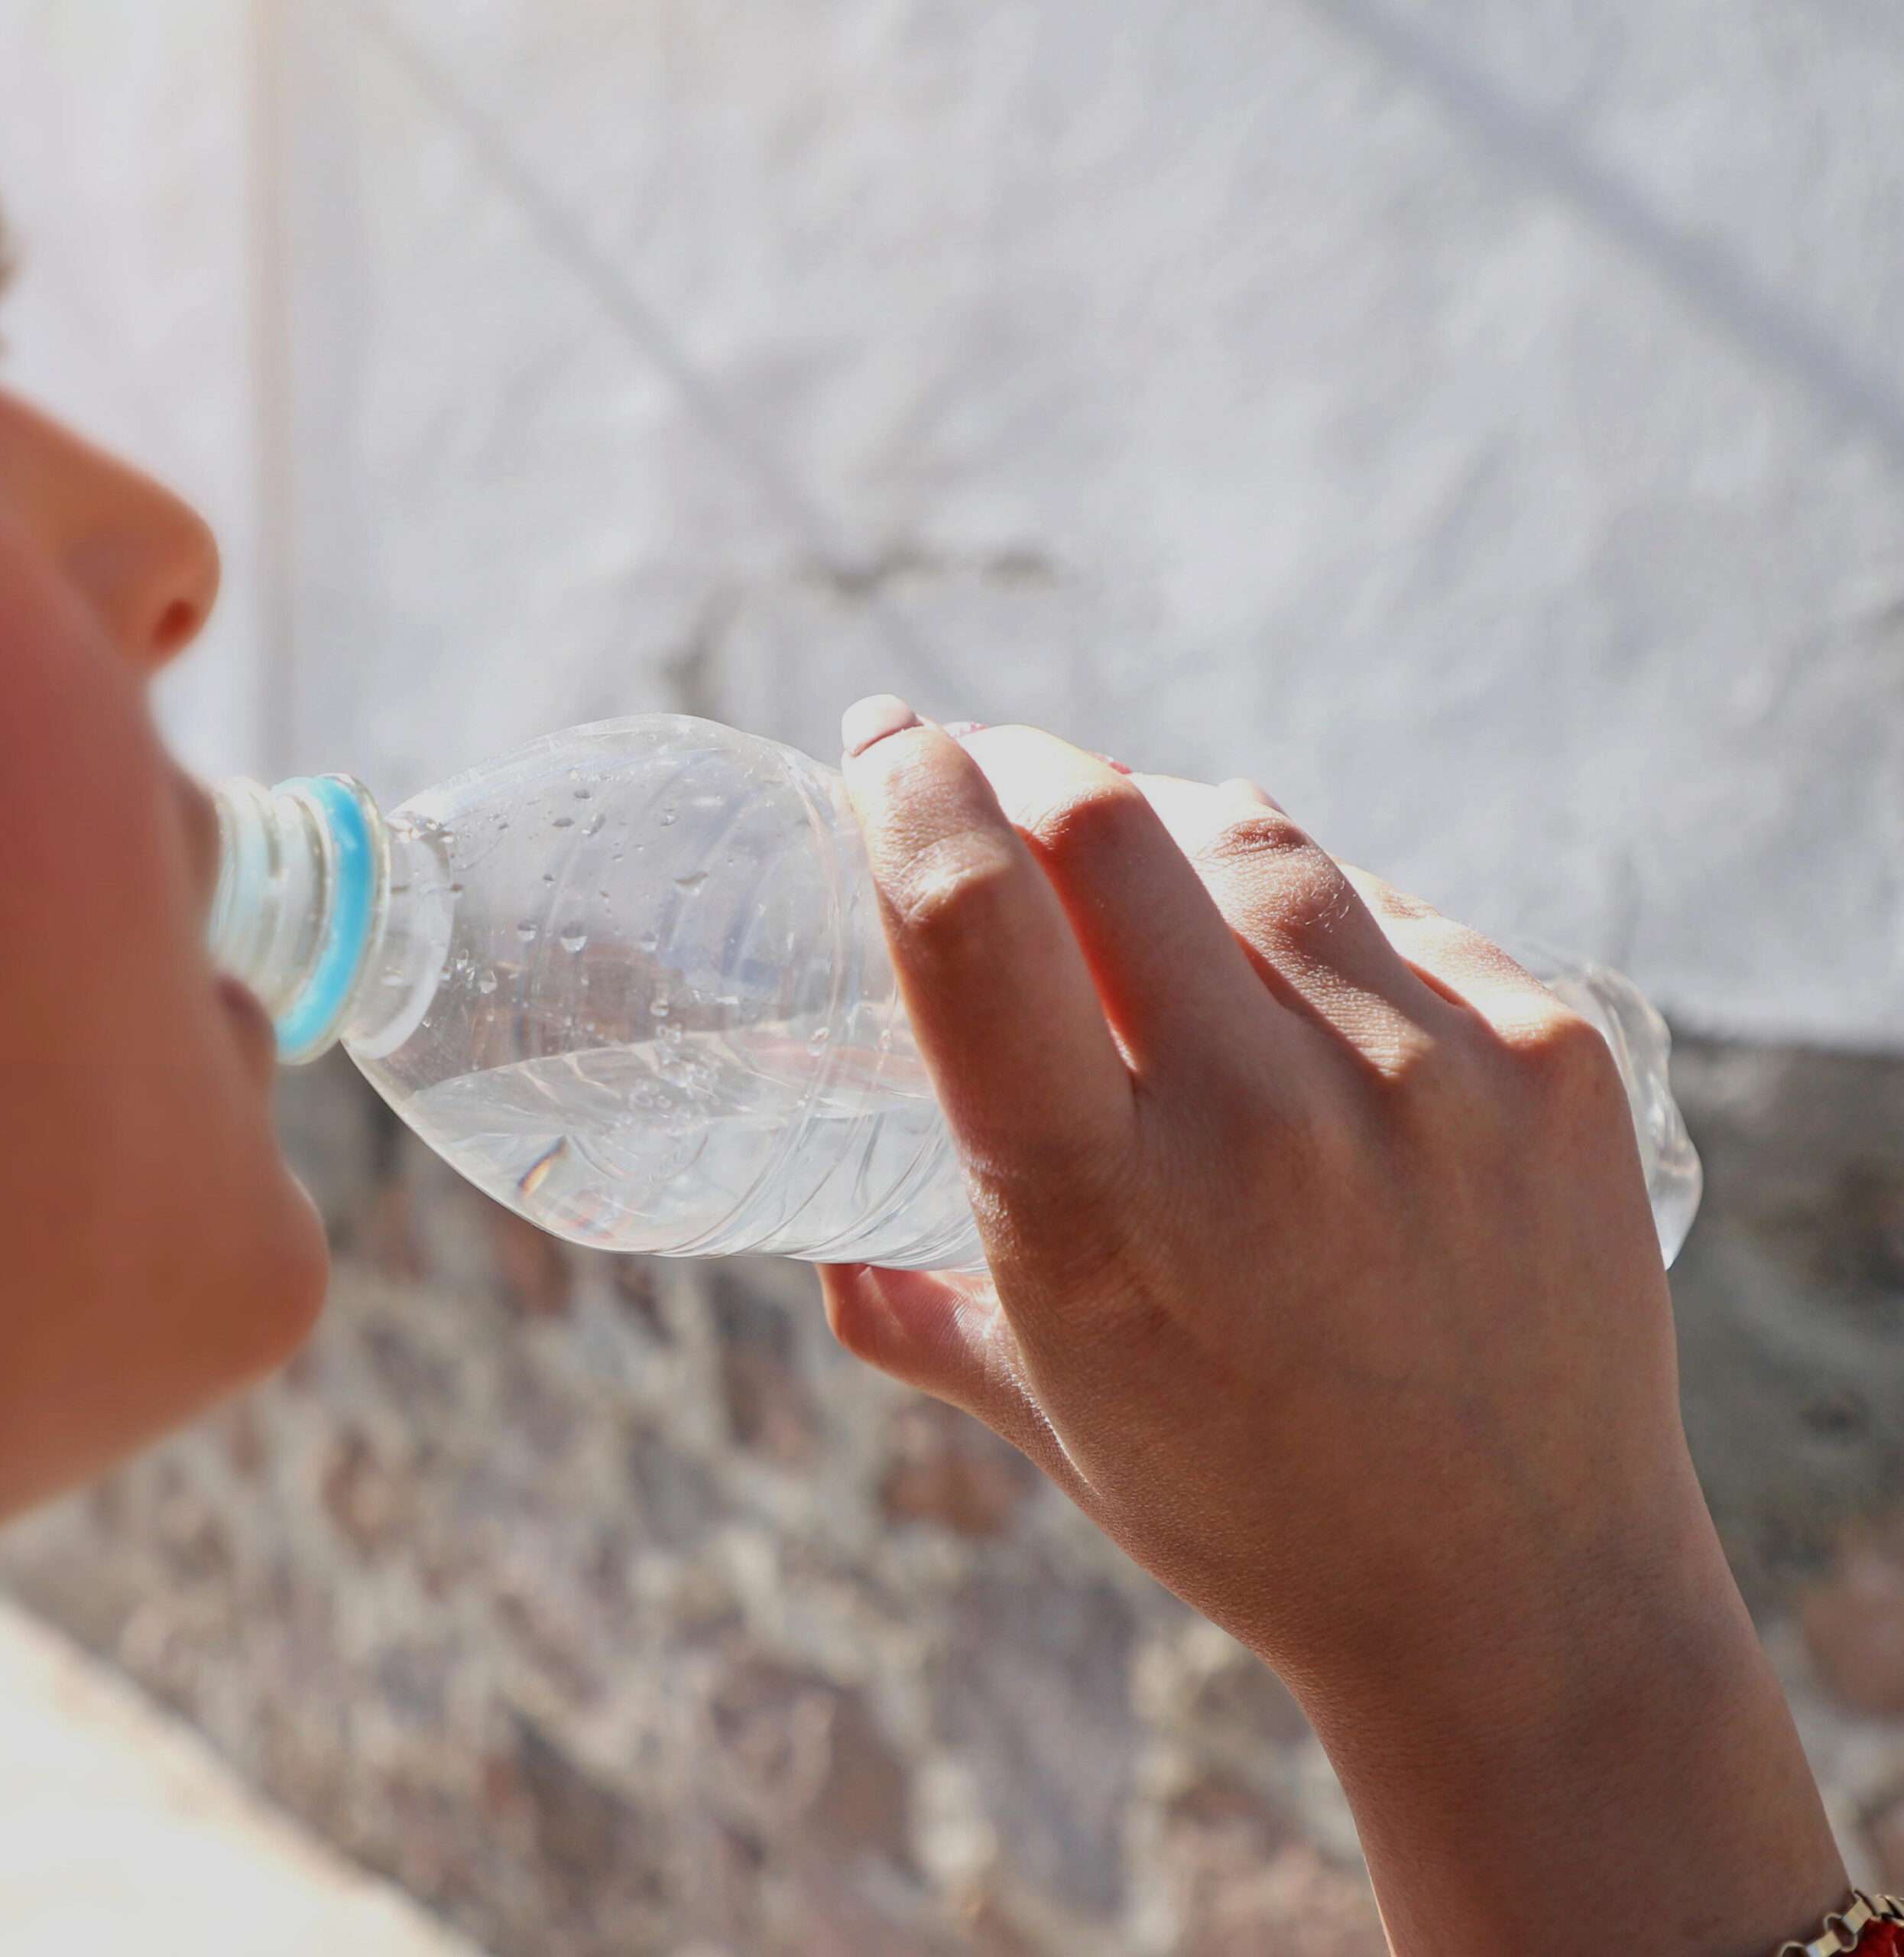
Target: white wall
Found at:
1481, 422
125, 180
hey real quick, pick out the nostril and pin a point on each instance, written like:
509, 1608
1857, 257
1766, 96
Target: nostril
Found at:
180, 575
175, 628
151, 573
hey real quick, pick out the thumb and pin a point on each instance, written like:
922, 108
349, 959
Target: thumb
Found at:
946, 1336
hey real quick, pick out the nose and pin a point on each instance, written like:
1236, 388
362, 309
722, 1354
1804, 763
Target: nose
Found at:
143, 558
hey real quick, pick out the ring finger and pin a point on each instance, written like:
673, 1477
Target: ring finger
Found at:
1294, 907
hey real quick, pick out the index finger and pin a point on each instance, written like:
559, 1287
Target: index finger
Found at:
1000, 997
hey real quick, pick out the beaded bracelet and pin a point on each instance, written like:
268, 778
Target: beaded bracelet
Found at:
1873, 1926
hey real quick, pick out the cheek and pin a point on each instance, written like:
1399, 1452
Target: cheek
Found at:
179, 1161
249, 1242
277, 1277
234, 1264
158, 1259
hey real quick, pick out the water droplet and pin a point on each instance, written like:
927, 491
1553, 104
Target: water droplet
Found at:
581, 793
816, 1042
573, 938
660, 1006
548, 876
690, 884
456, 890
563, 821
526, 932
485, 980
648, 941
593, 825
615, 855
671, 1033
667, 815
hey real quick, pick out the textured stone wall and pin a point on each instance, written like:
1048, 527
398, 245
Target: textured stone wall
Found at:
606, 1605
610, 1608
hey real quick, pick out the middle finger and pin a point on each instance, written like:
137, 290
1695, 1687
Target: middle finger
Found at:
1172, 978
1292, 905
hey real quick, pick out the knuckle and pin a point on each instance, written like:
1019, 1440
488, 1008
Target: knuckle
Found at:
952, 890
1256, 835
1081, 1212
1459, 948
1450, 953
1080, 1172
1396, 907
1381, 896
1429, 1083
1094, 830
1564, 1058
1262, 865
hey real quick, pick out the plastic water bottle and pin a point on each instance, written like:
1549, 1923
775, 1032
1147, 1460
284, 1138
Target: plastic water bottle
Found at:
630, 980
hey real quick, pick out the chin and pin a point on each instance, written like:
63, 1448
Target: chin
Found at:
274, 1278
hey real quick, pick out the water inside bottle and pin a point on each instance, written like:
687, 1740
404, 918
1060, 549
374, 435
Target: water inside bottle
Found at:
699, 1141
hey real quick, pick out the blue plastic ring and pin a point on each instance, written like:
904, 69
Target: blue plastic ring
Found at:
308, 1021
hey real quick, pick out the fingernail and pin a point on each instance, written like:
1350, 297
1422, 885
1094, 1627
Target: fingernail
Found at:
1109, 763
1253, 791
871, 719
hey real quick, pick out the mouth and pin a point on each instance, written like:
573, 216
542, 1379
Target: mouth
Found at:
199, 816
251, 1022
256, 1035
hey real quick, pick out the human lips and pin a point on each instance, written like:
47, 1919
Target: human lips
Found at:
198, 815
252, 1023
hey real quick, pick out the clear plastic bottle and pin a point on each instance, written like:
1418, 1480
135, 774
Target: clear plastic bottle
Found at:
630, 979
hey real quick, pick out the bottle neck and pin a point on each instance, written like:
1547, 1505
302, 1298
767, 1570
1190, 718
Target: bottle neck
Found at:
336, 918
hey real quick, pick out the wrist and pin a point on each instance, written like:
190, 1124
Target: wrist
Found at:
1606, 1751
1515, 1617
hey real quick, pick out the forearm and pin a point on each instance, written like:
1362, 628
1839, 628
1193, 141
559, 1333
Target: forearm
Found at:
1637, 1787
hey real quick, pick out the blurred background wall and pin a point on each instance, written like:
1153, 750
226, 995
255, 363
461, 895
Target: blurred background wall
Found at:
1481, 422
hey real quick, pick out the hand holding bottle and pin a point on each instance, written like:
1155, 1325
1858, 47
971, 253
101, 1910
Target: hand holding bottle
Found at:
630, 978
1322, 1277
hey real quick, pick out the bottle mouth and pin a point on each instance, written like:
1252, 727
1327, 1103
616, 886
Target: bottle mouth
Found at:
304, 882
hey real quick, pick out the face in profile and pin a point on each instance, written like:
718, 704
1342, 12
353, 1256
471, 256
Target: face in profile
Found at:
158, 1250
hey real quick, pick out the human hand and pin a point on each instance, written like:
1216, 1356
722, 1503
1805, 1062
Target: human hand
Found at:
1322, 1277
1305, 1258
